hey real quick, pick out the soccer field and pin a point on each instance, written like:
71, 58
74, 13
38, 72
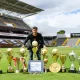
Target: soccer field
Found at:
43, 76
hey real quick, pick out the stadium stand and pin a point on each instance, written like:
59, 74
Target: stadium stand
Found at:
48, 40
48, 43
78, 42
5, 20
13, 30
2, 22
71, 42
15, 23
60, 41
65, 42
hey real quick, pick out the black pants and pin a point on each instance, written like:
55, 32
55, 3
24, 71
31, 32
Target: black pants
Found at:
38, 54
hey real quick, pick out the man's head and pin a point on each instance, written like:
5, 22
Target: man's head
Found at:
34, 31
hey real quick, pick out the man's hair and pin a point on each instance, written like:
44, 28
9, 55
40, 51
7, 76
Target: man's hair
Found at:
35, 28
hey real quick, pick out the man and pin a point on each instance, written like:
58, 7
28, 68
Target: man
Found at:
34, 36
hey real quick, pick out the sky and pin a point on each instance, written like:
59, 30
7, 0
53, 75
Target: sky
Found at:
57, 15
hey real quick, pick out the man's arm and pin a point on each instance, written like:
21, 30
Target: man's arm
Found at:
27, 38
42, 40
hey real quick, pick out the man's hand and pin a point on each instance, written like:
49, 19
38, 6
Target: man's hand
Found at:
23, 46
44, 46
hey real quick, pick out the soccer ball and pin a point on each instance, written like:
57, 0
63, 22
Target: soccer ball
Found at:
55, 51
9, 49
22, 50
34, 43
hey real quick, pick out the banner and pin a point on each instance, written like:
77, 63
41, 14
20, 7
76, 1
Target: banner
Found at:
75, 35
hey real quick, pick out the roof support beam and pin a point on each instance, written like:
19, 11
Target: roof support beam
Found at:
18, 8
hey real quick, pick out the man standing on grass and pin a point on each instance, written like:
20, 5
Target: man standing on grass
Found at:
34, 36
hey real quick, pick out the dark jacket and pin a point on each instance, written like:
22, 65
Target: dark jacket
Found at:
30, 38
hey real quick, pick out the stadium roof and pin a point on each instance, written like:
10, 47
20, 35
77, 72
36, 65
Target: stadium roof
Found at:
18, 7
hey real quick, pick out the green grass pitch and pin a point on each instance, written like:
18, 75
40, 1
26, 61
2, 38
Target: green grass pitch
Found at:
43, 76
